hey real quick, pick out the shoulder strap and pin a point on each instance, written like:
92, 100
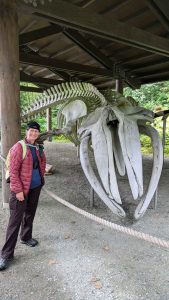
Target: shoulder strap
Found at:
7, 161
41, 148
22, 142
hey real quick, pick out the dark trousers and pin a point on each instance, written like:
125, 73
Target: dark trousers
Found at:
22, 214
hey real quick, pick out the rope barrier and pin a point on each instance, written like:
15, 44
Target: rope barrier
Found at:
120, 228
137, 234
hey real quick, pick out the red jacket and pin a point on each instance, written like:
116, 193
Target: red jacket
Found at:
20, 170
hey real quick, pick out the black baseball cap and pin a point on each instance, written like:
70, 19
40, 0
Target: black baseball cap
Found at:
34, 125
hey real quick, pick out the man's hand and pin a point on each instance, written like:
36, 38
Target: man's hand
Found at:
20, 196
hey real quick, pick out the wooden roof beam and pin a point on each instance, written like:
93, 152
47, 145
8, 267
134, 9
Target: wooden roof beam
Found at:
38, 80
82, 19
113, 7
156, 79
88, 47
164, 76
109, 84
86, 3
137, 58
153, 25
51, 63
159, 64
33, 89
154, 75
62, 74
27, 26
34, 35
161, 10
100, 57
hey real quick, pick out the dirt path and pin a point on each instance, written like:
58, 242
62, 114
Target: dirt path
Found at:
78, 259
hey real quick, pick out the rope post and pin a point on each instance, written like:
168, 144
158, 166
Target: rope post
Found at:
78, 148
91, 197
155, 199
49, 121
164, 132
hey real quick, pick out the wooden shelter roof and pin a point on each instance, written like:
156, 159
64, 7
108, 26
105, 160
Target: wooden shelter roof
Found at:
95, 41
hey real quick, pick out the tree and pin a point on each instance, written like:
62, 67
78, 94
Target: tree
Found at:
151, 95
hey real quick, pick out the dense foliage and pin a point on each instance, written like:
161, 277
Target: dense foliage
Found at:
151, 96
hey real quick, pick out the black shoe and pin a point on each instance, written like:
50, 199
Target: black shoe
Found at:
30, 243
4, 263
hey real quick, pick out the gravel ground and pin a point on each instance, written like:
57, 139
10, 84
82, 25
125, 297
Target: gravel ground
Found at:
77, 259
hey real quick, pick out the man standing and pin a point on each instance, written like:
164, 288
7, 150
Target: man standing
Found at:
26, 181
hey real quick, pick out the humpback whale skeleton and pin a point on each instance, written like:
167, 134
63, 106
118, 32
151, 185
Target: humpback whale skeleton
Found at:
110, 125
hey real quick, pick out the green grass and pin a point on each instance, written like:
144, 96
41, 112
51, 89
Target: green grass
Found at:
61, 139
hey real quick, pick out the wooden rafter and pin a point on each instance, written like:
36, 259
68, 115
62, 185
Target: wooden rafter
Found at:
155, 77
31, 89
64, 75
82, 42
86, 3
161, 10
38, 80
27, 26
100, 57
113, 7
60, 73
151, 26
34, 35
163, 5
161, 64
62, 65
153, 74
137, 58
59, 12
76, 37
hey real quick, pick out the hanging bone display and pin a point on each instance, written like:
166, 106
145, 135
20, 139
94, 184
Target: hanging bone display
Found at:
110, 125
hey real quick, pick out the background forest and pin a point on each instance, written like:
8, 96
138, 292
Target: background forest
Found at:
151, 96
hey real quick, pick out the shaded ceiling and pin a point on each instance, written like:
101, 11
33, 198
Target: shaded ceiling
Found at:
95, 41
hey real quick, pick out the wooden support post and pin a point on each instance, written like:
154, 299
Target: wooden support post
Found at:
119, 86
156, 198
49, 121
9, 82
